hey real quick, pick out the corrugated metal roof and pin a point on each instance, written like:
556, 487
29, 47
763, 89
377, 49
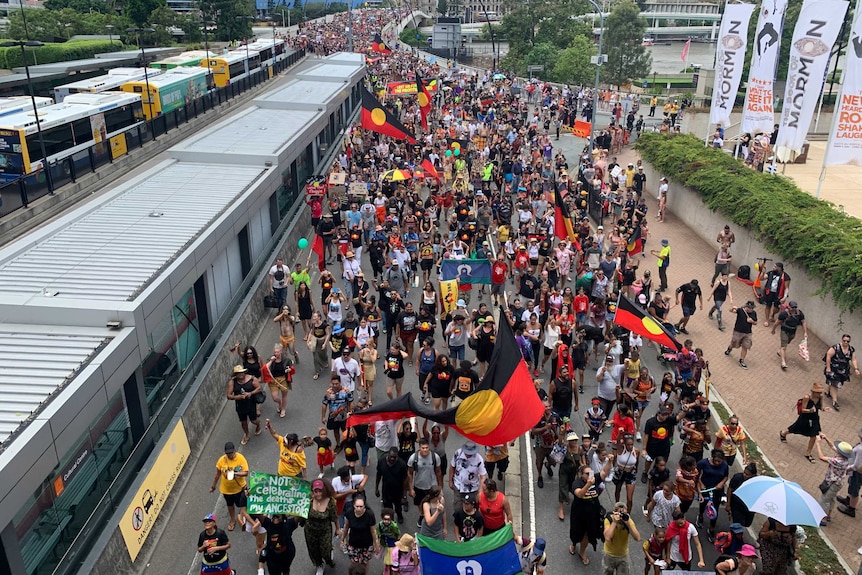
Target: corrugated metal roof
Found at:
303, 92
111, 252
35, 362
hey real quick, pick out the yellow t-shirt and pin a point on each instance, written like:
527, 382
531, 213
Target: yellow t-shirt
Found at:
290, 463
224, 464
663, 256
618, 545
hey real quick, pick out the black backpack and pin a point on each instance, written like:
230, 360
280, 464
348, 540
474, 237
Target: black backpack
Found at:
744, 272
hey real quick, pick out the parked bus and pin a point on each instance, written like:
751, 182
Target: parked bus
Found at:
77, 123
110, 81
270, 51
170, 91
193, 58
15, 104
234, 66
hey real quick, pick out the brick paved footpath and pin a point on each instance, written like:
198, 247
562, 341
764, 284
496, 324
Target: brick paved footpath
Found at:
763, 396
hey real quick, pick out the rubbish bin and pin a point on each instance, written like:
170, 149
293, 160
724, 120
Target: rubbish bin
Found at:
803, 155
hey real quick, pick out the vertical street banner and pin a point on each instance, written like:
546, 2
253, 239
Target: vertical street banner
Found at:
758, 114
729, 59
815, 33
448, 296
845, 141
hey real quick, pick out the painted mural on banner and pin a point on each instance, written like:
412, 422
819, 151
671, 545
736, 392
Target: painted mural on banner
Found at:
815, 33
758, 114
278, 494
729, 59
845, 142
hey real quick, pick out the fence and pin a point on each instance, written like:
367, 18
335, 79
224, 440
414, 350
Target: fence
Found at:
19, 193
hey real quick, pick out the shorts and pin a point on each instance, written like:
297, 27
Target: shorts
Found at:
642, 405
656, 449
426, 264
360, 554
251, 416
279, 383
687, 311
336, 424
286, 341
438, 391
787, 337
408, 336
542, 453
498, 289
742, 340
236, 499
854, 483
771, 299
579, 365
627, 477
419, 495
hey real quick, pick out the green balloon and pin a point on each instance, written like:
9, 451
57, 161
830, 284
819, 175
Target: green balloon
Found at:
448, 153
457, 151
302, 243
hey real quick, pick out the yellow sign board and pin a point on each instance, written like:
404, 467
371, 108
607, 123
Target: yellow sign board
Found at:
141, 515
118, 146
448, 295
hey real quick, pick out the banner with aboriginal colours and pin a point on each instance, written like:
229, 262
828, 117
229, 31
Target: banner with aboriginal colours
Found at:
757, 113
815, 33
845, 142
729, 59
448, 296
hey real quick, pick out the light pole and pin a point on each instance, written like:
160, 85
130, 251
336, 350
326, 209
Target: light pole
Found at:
45, 165
207, 24
137, 32
493, 43
110, 30
598, 69
247, 62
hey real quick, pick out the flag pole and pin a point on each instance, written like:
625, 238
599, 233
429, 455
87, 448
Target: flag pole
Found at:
832, 128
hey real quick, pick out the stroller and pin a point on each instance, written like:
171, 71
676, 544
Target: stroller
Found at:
667, 355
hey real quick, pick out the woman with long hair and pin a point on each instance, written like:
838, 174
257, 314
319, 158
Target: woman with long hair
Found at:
304, 306
320, 332
433, 514
320, 525
438, 381
429, 298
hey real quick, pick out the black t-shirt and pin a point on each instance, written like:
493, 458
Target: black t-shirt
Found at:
392, 476
689, 294
394, 365
466, 381
408, 321
790, 320
217, 539
742, 325
279, 535
660, 433
360, 528
562, 401
469, 525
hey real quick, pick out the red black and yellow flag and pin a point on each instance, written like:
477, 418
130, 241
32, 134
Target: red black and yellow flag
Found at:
424, 99
379, 46
562, 219
378, 119
634, 318
635, 244
428, 168
504, 406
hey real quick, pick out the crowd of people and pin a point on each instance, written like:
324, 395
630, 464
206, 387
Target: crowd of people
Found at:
494, 198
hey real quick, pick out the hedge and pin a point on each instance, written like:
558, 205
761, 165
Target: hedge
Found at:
790, 222
10, 57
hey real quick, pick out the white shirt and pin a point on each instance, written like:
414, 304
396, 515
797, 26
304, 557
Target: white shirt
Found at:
385, 435
609, 382
279, 283
674, 546
348, 372
662, 190
351, 268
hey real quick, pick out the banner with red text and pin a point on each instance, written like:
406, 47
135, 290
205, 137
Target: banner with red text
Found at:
815, 33
845, 142
729, 59
758, 114
406, 88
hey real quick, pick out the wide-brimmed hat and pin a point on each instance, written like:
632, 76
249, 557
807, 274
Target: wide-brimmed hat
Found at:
818, 388
843, 448
405, 544
239, 369
748, 551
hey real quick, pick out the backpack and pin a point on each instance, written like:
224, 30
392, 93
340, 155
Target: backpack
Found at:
744, 272
415, 458
722, 541
800, 405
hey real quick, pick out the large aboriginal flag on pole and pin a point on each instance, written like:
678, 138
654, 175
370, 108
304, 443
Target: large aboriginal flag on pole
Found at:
379, 46
378, 119
504, 406
562, 219
424, 99
634, 318
635, 243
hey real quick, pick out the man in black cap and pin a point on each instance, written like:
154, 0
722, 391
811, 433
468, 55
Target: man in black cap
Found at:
776, 289
789, 320
741, 338
469, 522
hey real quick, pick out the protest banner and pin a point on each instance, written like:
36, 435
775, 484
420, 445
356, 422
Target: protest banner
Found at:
278, 494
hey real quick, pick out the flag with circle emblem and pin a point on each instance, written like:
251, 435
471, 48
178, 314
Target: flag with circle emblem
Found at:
424, 99
379, 46
378, 119
636, 319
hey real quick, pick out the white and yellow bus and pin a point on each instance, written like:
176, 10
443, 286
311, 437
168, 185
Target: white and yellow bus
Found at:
169, 91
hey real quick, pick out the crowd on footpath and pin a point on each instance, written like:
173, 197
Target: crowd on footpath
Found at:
493, 198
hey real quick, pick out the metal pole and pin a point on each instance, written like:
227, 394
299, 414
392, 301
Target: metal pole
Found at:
147, 77
493, 43
349, 28
207, 48
45, 165
598, 70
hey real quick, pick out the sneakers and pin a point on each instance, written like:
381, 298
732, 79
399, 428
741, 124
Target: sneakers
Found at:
836, 407
710, 314
847, 510
644, 477
638, 436
683, 330
727, 351
720, 327
843, 500
581, 389
742, 364
499, 475
318, 572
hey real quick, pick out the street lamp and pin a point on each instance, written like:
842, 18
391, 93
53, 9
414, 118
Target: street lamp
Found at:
598, 69
110, 30
206, 25
45, 166
493, 43
138, 31
247, 61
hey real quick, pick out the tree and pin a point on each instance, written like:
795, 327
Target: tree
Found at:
231, 17
442, 7
138, 11
573, 64
542, 55
623, 34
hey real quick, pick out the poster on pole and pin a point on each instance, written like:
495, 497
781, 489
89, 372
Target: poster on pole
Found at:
815, 33
729, 59
845, 141
758, 114
278, 494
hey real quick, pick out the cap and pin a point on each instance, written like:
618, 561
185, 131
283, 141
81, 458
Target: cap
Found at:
317, 484
748, 551
394, 262
209, 517
586, 436
631, 163
346, 350
470, 448
239, 369
539, 547
749, 303
843, 448
572, 436
794, 305
229, 447
736, 528
665, 243
469, 498
640, 167
600, 228
338, 330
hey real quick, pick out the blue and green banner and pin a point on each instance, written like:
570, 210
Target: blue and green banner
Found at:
494, 554
466, 271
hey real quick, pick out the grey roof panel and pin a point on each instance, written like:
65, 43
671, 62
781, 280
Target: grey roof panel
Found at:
112, 251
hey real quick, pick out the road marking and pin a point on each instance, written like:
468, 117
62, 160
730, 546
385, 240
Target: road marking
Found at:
532, 497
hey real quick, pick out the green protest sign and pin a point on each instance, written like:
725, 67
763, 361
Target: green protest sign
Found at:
277, 494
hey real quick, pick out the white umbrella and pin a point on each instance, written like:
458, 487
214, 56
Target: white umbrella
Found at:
780, 499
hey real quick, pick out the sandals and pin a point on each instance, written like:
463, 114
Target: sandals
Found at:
244, 440
782, 437
281, 413
315, 376
571, 549
810, 459
230, 526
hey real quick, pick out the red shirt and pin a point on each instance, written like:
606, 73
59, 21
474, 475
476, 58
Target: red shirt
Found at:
581, 303
498, 273
492, 511
522, 260
627, 423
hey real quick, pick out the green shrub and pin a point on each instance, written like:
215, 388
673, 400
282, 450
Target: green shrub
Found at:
10, 57
790, 222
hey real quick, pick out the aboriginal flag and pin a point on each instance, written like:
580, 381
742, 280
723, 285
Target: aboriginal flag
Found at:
504, 406
635, 244
634, 318
378, 119
379, 46
428, 168
562, 219
424, 99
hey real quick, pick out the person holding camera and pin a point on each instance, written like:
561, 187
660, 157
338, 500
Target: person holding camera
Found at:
618, 528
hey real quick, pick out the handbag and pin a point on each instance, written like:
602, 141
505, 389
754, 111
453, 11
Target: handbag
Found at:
260, 397
558, 453
311, 342
270, 301
824, 486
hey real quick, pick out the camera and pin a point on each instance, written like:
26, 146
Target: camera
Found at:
624, 517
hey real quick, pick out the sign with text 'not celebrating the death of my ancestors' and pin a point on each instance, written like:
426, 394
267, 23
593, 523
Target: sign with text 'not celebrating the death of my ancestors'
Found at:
729, 59
278, 494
